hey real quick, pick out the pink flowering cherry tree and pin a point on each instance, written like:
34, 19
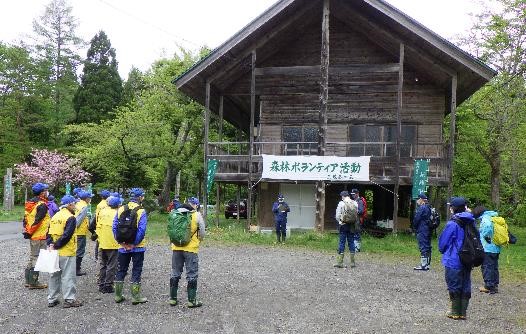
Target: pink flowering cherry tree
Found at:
52, 168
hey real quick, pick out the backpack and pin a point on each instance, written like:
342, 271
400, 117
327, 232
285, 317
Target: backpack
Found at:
127, 225
471, 253
501, 236
349, 212
434, 220
180, 227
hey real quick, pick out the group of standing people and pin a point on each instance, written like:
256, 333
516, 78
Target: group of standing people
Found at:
119, 230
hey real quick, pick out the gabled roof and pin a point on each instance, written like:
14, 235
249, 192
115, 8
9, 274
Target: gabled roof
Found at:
381, 22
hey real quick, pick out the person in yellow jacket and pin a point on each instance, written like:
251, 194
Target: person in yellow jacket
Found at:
108, 245
81, 214
36, 223
132, 245
104, 194
187, 256
61, 236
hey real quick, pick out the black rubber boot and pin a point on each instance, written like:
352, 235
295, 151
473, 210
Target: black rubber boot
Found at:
283, 236
454, 312
278, 236
192, 295
464, 303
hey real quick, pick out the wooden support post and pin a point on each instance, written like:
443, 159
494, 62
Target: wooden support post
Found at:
452, 132
220, 131
251, 139
322, 125
398, 135
238, 199
205, 140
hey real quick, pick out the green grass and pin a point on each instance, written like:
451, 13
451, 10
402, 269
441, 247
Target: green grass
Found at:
392, 248
15, 215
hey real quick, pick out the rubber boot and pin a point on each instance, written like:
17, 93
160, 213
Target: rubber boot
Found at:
454, 312
136, 294
357, 245
339, 261
79, 269
464, 303
192, 295
283, 236
353, 262
278, 236
119, 285
27, 272
33, 280
423, 264
174, 285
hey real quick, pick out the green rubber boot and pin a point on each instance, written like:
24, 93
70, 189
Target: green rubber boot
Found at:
26, 275
192, 295
464, 303
119, 285
339, 261
33, 280
136, 294
454, 312
174, 285
353, 262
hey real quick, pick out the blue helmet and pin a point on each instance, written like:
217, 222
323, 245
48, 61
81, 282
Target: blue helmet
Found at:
104, 193
194, 201
136, 192
38, 188
76, 191
68, 199
83, 194
114, 201
115, 194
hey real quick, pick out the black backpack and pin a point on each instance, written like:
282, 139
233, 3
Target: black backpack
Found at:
434, 220
471, 253
127, 226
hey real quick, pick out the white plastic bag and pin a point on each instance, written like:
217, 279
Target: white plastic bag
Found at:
47, 261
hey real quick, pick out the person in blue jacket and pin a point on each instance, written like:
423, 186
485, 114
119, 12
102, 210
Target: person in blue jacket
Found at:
490, 266
458, 276
420, 225
52, 206
280, 210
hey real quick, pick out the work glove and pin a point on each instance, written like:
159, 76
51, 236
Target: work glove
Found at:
26, 235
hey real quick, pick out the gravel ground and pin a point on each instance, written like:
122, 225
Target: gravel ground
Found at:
261, 290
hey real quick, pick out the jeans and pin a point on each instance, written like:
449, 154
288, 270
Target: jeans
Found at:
188, 259
81, 245
346, 235
458, 281
124, 262
34, 250
108, 266
423, 236
65, 278
490, 270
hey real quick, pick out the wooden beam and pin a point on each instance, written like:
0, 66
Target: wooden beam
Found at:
205, 148
452, 132
398, 134
322, 125
251, 134
314, 70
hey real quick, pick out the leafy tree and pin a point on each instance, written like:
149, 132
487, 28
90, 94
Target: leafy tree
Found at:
133, 87
101, 86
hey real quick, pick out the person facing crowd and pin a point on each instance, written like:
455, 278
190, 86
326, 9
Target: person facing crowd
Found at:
280, 210
52, 207
82, 208
35, 224
490, 266
108, 245
423, 231
61, 236
187, 256
348, 224
458, 276
132, 251
362, 213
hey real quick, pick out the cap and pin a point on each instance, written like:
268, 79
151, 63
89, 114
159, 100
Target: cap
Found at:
457, 202
354, 191
37, 188
422, 196
136, 192
104, 193
113, 201
193, 200
83, 194
115, 194
344, 193
68, 199
280, 196
76, 191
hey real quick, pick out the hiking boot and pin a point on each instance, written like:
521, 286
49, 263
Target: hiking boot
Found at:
71, 303
174, 285
353, 262
53, 303
33, 280
136, 294
339, 261
484, 289
119, 285
192, 295
455, 305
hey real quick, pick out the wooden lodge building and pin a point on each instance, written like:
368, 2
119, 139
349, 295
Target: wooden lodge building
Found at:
325, 78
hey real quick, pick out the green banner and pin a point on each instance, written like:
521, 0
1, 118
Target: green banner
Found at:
212, 168
420, 174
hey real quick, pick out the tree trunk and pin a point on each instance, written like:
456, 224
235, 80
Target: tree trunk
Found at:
495, 182
169, 181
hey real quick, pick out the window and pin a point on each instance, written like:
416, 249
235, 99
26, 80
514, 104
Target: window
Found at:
303, 140
380, 140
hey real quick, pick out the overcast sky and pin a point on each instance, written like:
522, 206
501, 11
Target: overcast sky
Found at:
142, 31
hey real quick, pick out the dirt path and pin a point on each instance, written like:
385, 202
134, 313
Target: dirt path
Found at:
262, 290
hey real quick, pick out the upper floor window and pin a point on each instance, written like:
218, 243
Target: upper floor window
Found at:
380, 140
303, 140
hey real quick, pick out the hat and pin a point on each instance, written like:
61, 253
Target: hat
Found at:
354, 191
280, 196
113, 201
51, 198
83, 194
136, 192
193, 200
115, 194
422, 196
38, 188
344, 193
76, 191
457, 202
104, 193
68, 199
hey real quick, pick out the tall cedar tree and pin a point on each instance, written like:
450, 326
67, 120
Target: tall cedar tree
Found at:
101, 86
